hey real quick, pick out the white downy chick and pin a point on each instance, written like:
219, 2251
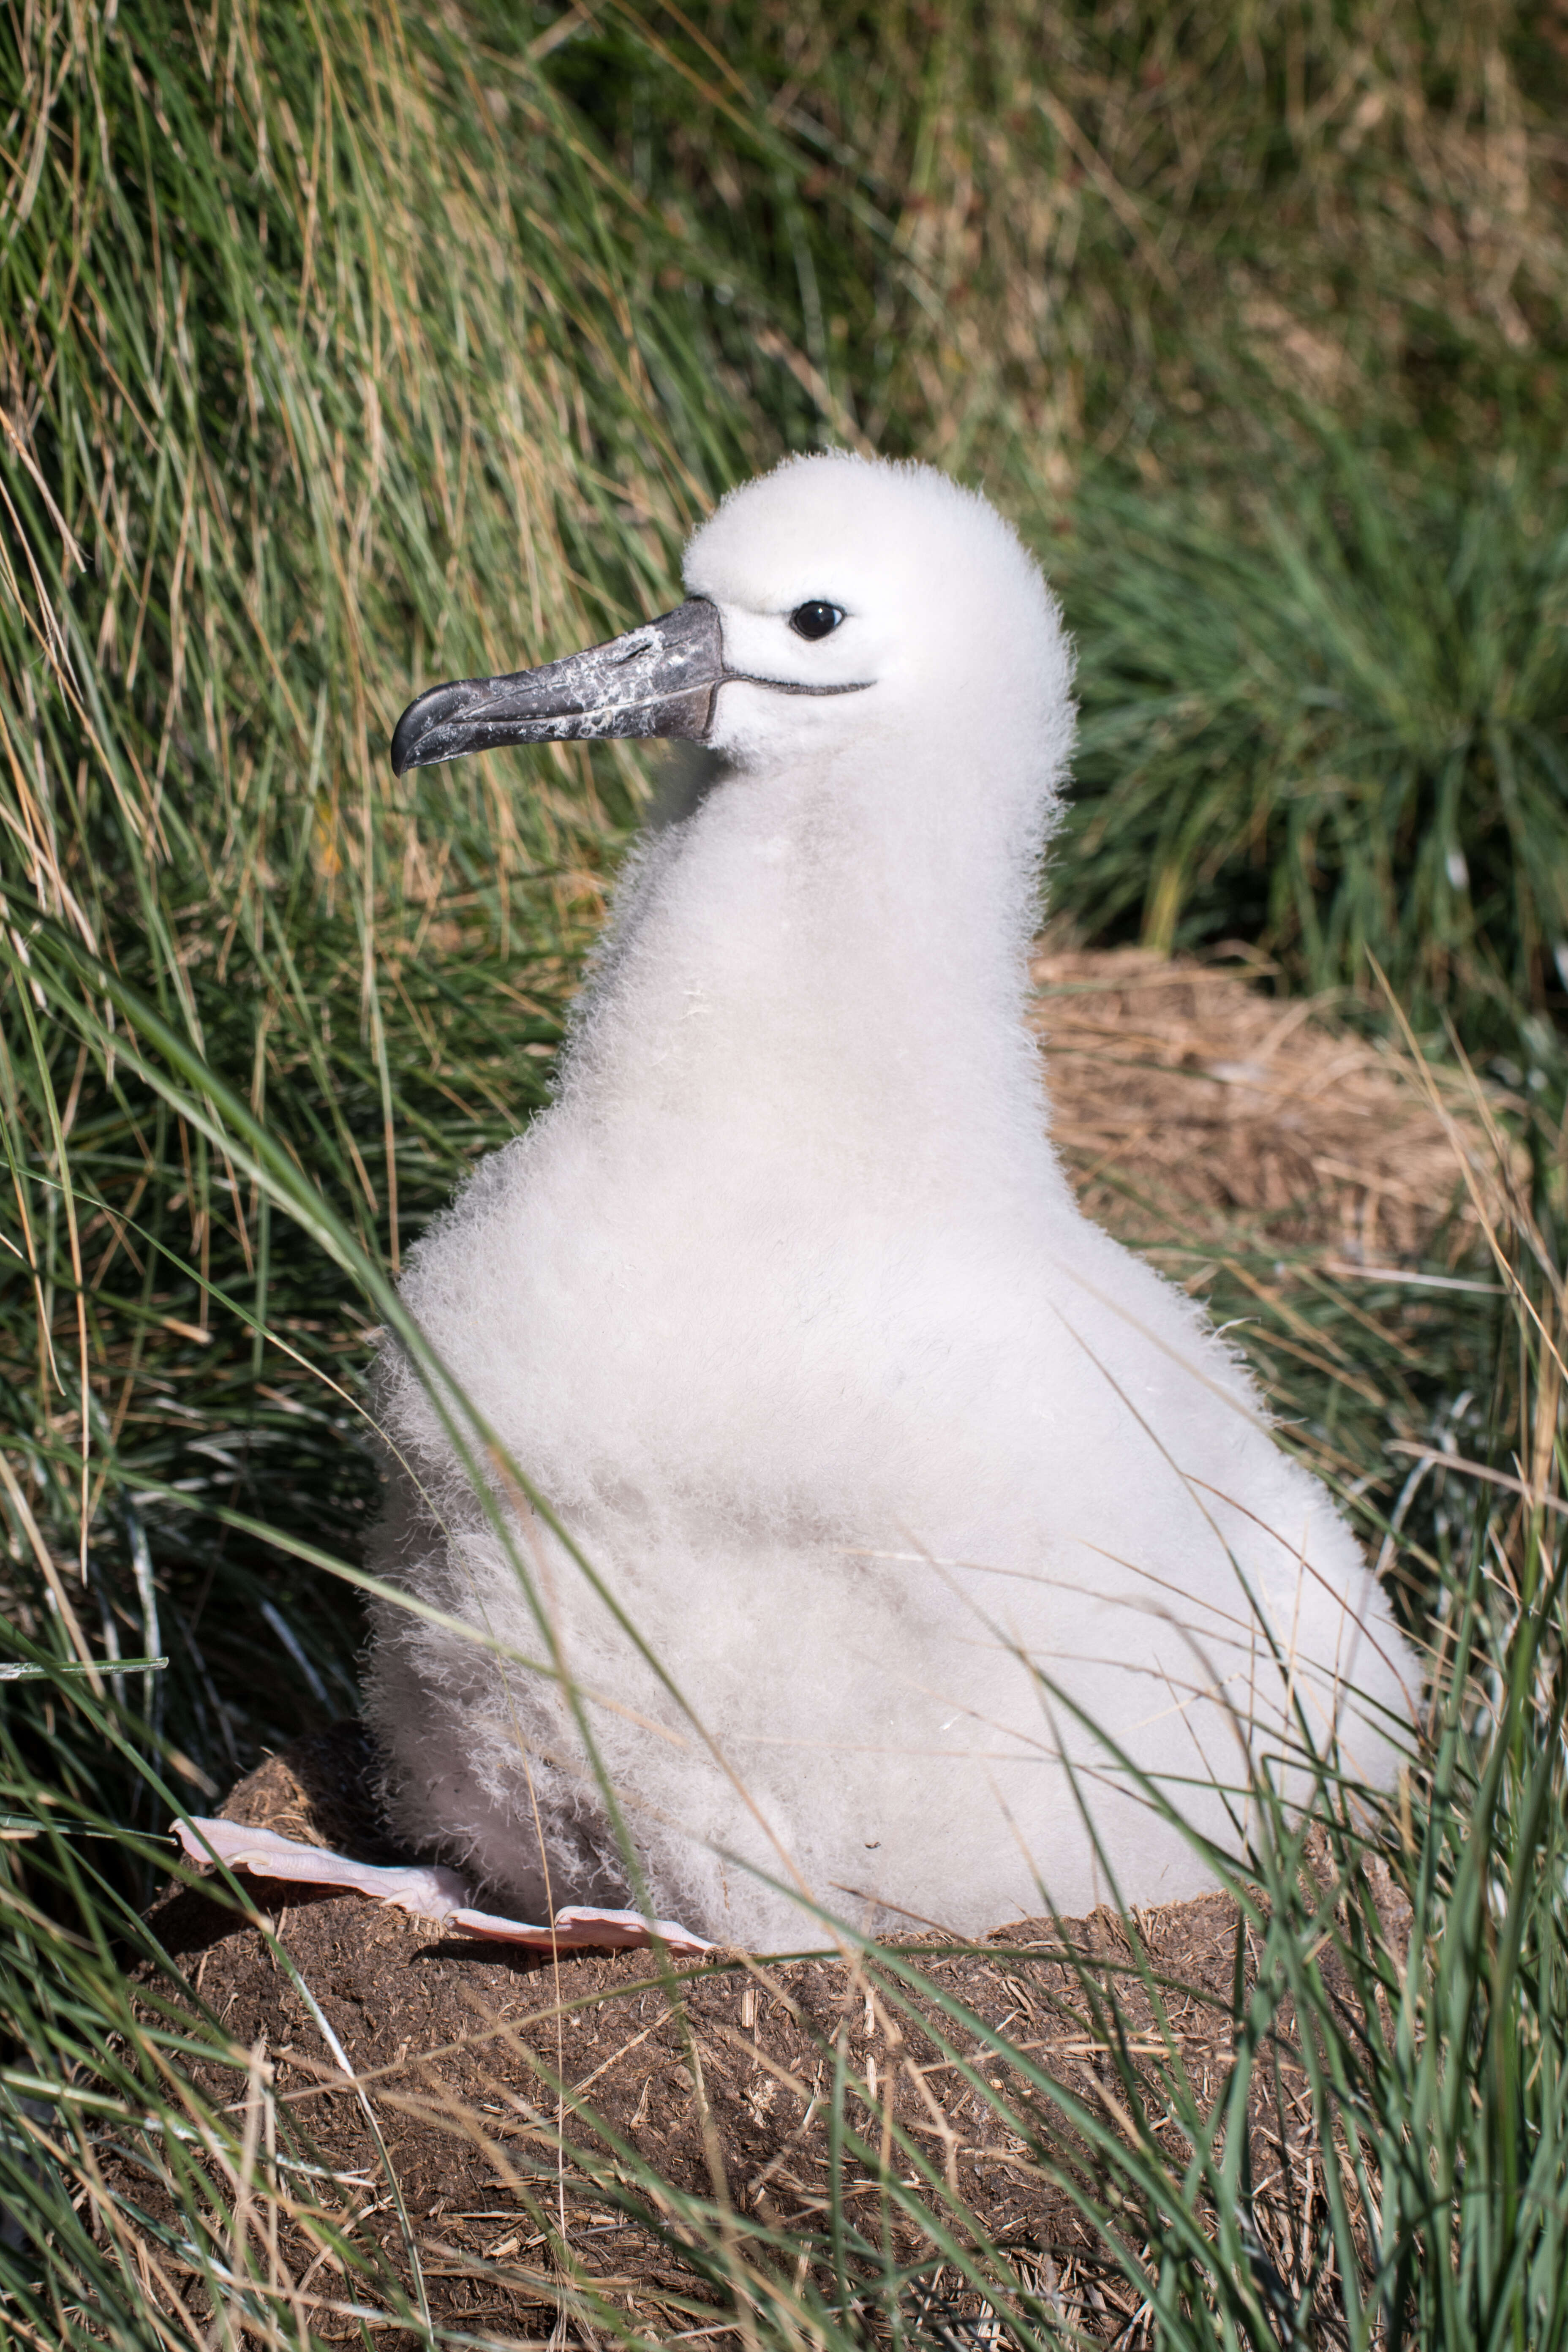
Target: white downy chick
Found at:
903, 1471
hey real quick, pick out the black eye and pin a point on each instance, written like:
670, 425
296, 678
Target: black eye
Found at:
816, 619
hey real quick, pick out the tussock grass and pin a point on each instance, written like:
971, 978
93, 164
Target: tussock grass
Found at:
1028, 234
342, 350
1335, 727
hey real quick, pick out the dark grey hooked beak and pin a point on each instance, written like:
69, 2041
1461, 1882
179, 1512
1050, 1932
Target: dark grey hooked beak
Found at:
659, 679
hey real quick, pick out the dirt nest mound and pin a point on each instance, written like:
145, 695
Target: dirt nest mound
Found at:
1187, 1102
516, 2101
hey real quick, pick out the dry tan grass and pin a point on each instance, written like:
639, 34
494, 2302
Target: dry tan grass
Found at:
1187, 1101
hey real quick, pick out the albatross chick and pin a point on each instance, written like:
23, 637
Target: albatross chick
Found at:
910, 1478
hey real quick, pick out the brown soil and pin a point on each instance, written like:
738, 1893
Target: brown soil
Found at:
513, 2095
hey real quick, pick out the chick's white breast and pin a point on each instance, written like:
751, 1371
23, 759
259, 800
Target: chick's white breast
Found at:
737, 1347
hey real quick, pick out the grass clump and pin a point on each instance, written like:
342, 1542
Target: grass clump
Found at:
1337, 731
1004, 238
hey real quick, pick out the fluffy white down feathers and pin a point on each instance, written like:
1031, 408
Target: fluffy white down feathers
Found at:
903, 1472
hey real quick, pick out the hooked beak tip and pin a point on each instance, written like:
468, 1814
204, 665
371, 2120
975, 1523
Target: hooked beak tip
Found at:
427, 712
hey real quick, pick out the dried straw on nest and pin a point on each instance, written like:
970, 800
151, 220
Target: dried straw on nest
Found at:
1186, 1101
504, 2091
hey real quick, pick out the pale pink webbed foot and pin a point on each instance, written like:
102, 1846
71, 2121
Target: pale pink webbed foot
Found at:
429, 1892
